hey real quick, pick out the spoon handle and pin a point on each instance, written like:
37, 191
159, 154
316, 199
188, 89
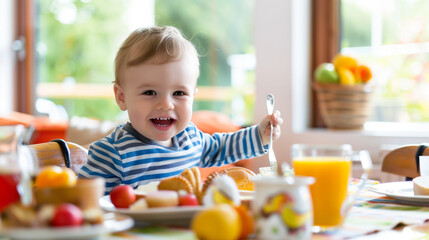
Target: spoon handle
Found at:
271, 156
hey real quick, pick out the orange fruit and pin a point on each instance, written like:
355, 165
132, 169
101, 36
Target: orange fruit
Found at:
67, 177
55, 176
220, 221
363, 74
47, 176
247, 222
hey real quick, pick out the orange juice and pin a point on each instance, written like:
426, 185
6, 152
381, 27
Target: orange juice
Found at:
329, 191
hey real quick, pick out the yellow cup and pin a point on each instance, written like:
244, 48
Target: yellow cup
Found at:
330, 165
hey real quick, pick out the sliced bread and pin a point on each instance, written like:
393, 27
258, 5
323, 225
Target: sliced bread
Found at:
421, 185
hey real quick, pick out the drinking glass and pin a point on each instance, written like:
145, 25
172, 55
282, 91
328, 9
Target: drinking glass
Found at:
331, 166
268, 171
17, 164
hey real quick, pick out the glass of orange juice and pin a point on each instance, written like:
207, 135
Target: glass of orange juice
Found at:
330, 165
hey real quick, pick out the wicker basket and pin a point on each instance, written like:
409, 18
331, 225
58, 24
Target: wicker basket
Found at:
344, 106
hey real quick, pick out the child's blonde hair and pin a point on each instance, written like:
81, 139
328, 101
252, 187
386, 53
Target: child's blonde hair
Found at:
155, 44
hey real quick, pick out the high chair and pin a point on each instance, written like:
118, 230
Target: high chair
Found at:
404, 161
60, 153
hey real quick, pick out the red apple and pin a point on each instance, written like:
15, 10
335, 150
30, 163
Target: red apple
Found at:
122, 196
188, 200
67, 215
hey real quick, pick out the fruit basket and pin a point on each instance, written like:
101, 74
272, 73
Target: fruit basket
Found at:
343, 92
343, 106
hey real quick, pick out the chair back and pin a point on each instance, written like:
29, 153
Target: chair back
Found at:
60, 153
404, 161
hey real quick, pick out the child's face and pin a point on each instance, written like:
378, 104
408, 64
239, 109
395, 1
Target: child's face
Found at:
158, 97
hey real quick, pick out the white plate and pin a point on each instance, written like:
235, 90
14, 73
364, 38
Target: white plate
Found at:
113, 222
400, 191
165, 215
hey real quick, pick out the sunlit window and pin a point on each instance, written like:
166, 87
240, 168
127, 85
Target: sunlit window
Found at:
392, 36
77, 41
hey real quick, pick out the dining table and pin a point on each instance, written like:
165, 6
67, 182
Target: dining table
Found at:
379, 211
374, 215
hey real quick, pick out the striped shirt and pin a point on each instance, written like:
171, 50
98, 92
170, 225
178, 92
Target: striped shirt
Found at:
127, 157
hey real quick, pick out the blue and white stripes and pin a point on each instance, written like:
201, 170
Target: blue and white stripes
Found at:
126, 157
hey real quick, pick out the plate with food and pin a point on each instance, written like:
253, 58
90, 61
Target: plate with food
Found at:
169, 202
112, 222
64, 207
169, 215
403, 192
175, 200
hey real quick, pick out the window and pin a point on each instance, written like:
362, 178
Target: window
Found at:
284, 69
77, 41
392, 36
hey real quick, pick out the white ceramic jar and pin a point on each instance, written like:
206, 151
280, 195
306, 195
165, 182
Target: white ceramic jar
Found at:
282, 208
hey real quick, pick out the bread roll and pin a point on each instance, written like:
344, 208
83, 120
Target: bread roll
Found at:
189, 175
176, 183
242, 177
421, 185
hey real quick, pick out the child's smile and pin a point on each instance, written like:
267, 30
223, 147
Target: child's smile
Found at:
163, 124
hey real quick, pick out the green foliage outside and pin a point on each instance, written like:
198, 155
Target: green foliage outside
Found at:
82, 49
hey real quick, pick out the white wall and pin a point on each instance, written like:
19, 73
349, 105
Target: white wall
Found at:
273, 41
6, 56
282, 42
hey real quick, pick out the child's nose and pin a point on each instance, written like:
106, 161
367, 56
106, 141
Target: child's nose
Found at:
165, 103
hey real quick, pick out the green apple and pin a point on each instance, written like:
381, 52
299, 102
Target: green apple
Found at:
326, 73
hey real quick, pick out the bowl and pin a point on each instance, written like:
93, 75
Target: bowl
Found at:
85, 194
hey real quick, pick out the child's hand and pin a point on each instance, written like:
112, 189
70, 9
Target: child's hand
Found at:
265, 128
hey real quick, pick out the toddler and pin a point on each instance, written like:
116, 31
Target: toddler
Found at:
156, 72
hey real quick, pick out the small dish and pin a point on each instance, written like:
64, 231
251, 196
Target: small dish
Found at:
400, 191
84, 194
113, 222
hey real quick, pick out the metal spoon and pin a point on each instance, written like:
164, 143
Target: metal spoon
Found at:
275, 166
269, 101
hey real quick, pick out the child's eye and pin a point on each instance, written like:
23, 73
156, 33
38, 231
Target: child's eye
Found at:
149, 92
179, 93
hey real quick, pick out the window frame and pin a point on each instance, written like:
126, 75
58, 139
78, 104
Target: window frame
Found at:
325, 44
24, 68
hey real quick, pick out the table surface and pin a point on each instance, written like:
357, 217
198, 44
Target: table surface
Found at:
373, 216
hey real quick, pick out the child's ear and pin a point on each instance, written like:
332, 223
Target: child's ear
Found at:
120, 97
